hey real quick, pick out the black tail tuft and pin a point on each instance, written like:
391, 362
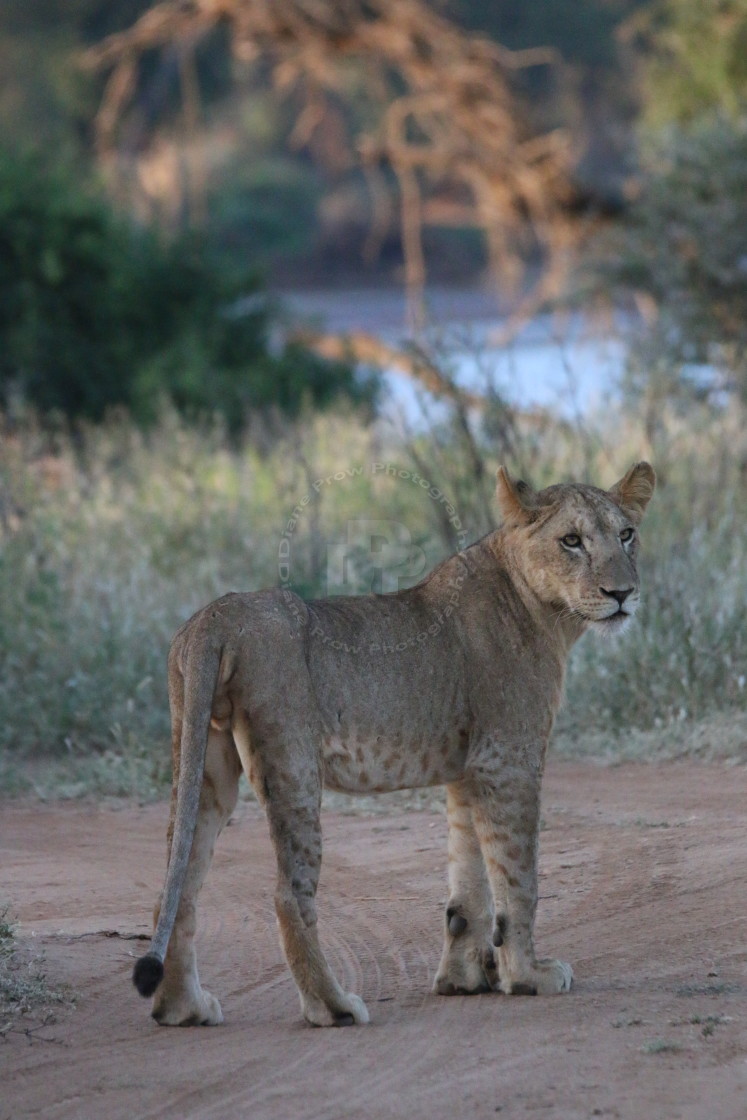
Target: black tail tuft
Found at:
147, 974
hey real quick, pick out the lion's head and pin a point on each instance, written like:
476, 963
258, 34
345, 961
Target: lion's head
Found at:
576, 545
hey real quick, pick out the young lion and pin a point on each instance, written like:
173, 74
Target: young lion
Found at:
455, 681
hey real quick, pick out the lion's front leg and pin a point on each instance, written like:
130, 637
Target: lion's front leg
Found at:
468, 961
505, 812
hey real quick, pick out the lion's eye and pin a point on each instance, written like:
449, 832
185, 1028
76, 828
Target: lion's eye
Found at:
627, 535
571, 540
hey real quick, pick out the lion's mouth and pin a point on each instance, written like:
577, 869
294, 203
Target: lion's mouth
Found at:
619, 617
613, 621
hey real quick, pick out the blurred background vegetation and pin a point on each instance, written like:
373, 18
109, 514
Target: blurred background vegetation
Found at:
161, 413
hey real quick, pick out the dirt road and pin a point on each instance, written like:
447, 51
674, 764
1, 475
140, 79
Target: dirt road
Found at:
643, 888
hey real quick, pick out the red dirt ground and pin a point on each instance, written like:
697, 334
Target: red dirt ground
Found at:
643, 888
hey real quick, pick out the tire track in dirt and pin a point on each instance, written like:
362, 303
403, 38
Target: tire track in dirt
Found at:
642, 889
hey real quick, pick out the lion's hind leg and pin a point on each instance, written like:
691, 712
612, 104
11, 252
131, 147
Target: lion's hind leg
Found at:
292, 796
468, 961
180, 1000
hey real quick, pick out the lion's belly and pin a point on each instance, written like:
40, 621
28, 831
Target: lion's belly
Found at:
357, 764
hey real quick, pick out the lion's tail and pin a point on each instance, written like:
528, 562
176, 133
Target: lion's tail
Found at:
200, 679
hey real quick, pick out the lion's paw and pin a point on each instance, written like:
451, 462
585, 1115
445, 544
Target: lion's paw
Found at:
546, 978
350, 1010
194, 1009
467, 975
468, 963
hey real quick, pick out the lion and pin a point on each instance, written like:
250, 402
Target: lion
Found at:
455, 681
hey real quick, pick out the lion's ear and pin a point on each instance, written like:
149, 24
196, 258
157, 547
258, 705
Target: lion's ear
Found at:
516, 499
633, 492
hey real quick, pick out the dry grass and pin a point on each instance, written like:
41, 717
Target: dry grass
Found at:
110, 541
27, 1000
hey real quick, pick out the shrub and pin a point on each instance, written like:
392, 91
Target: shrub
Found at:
95, 313
684, 247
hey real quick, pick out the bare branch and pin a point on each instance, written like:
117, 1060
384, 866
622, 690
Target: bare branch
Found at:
448, 123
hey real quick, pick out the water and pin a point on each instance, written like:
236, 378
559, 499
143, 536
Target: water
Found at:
561, 365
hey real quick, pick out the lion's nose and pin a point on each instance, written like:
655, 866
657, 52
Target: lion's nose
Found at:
620, 594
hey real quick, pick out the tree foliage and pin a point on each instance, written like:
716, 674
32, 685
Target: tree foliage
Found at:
683, 253
682, 247
96, 313
695, 59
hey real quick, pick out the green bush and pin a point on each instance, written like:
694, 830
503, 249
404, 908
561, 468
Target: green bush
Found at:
684, 248
694, 59
95, 313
